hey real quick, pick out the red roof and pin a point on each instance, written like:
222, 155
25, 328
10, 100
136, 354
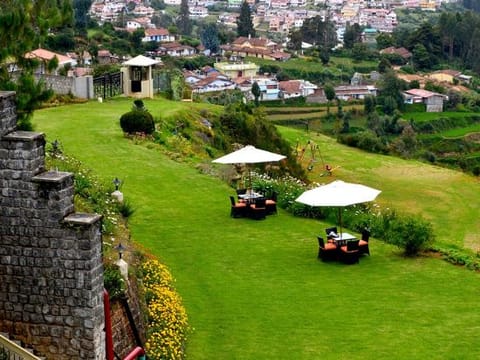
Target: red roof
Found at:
156, 32
47, 55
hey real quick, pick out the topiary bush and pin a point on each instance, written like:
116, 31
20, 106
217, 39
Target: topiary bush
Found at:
137, 121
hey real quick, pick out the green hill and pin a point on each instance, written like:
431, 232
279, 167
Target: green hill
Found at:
255, 290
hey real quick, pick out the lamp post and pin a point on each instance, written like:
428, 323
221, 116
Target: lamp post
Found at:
117, 183
117, 194
122, 264
120, 249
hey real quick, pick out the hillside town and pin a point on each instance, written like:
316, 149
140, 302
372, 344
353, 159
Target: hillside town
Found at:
232, 67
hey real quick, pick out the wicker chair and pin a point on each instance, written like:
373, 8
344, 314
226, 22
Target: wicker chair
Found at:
271, 204
258, 210
237, 209
241, 192
350, 253
363, 243
326, 251
330, 230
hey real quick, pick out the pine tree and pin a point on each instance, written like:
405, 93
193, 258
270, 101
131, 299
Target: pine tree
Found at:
244, 21
184, 24
24, 26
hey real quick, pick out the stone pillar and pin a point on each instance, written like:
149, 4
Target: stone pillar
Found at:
51, 272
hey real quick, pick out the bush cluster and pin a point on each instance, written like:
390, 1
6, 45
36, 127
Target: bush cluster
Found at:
167, 318
460, 257
137, 121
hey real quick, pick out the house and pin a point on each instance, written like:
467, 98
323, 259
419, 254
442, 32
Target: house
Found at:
176, 50
269, 89
213, 82
81, 59
160, 35
296, 88
106, 57
141, 10
192, 77
198, 12
354, 92
433, 101
257, 47
237, 70
44, 56
318, 96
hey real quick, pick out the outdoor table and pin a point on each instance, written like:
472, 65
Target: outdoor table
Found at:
250, 196
341, 239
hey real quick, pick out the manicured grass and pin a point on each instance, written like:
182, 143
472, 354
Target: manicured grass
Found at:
255, 289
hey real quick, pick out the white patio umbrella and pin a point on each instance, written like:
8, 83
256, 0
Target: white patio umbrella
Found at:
249, 155
338, 194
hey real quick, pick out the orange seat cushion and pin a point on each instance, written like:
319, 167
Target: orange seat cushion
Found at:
344, 249
362, 243
330, 246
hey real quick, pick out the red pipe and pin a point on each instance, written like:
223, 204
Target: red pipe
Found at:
108, 326
134, 353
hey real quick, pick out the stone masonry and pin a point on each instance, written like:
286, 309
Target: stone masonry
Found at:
51, 272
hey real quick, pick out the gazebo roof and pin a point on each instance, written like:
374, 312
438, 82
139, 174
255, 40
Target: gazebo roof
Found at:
141, 60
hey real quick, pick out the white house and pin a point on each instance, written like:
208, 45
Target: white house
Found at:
158, 35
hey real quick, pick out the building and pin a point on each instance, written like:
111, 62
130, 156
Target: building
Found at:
351, 92
237, 70
176, 50
296, 88
160, 35
433, 101
44, 56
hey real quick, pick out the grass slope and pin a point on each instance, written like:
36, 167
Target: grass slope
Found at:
255, 290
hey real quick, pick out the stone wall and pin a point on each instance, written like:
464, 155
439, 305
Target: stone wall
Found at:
81, 87
51, 272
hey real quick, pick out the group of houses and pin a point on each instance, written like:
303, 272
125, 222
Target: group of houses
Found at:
281, 16
242, 75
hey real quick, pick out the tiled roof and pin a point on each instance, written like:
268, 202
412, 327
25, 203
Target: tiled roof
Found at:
47, 55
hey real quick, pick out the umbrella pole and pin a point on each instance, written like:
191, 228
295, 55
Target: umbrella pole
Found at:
340, 220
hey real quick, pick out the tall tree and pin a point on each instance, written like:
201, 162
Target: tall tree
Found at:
24, 26
209, 37
391, 87
184, 24
256, 92
329, 94
244, 21
81, 8
429, 37
352, 35
318, 32
295, 42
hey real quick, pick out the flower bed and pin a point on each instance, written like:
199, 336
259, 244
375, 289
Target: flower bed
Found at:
167, 318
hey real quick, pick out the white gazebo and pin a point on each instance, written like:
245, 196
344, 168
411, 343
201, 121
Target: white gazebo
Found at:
137, 77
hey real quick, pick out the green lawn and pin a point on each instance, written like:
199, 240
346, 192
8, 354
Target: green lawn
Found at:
428, 116
255, 290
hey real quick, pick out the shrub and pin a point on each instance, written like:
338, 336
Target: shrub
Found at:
137, 121
410, 233
113, 281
